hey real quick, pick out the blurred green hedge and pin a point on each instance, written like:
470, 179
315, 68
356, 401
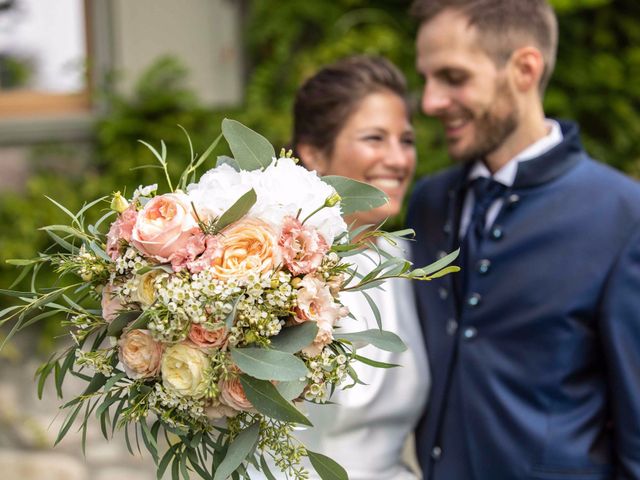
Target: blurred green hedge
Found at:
286, 40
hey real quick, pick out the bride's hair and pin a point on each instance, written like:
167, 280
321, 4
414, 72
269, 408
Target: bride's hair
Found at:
503, 26
326, 100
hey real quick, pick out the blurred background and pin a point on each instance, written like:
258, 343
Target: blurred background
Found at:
82, 80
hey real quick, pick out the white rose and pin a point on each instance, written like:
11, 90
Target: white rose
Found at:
183, 370
217, 190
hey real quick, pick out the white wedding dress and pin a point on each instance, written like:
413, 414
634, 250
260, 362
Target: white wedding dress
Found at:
366, 429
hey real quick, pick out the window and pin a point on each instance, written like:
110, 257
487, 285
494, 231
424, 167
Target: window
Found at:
43, 58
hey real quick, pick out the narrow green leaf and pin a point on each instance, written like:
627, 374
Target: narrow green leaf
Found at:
266, 399
67, 423
22, 262
374, 308
166, 459
250, 149
265, 469
269, 364
294, 339
327, 469
374, 363
384, 340
444, 271
238, 451
438, 265
44, 371
236, 211
356, 196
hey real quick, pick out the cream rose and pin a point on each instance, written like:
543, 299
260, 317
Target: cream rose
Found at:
145, 293
164, 226
183, 370
219, 410
232, 395
248, 246
140, 354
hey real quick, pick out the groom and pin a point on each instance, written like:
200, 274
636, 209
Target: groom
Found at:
535, 346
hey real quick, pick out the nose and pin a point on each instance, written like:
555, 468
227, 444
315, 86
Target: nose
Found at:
399, 154
435, 99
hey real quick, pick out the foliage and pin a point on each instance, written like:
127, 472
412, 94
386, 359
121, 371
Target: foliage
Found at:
594, 83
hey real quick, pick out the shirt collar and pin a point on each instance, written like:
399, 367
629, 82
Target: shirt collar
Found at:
507, 173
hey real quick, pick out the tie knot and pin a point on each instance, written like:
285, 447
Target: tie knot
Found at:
486, 190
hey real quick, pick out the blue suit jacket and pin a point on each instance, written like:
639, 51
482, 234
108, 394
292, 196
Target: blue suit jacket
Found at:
545, 350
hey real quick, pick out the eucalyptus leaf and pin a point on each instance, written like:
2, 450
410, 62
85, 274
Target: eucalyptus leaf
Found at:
266, 400
238, 451
236, 211
294, 339
250, 150
291, 390
225, 160
356, 196
384, 340
327, 469
120, 322
269, 364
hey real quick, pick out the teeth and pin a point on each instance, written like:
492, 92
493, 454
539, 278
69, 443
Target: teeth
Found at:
383, 183
455, 123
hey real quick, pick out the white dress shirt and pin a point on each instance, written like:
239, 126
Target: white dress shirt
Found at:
506, 174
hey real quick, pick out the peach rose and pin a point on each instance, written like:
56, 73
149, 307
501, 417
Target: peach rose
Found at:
140, 354
232, 395
248, 246
164, 226
111, 303
121, 229
205, 338
303, 248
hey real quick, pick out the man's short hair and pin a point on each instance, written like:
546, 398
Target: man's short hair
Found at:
504, 26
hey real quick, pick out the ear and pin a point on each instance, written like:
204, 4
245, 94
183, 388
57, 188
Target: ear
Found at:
527, 68
313, 158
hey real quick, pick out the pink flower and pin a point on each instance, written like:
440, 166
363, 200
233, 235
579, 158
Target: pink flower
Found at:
232, 395
121, 229
212, 252
111, 303
193, 246
140, 354
164, 227
303, 248
316, 304
205, 338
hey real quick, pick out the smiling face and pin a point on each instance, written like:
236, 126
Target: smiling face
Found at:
464, 88
375, 146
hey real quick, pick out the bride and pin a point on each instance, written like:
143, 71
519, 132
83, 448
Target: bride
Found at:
352, 119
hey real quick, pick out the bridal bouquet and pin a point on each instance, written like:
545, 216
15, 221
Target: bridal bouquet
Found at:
220, 308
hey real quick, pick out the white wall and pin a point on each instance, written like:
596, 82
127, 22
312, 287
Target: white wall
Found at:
204, 34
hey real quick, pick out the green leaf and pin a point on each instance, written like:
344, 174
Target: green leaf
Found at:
250, 149
120, 322
384, 340
435, 266
265, 469
22, 262
236, 211
374, 363
225, 160
238, 451
294, 339
356, 196
269, 364
266, 399
67, 423
327, 469
291, 390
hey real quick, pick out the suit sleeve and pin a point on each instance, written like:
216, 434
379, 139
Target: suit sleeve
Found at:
620, 330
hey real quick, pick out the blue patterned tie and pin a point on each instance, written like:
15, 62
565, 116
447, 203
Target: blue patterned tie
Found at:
486, 191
